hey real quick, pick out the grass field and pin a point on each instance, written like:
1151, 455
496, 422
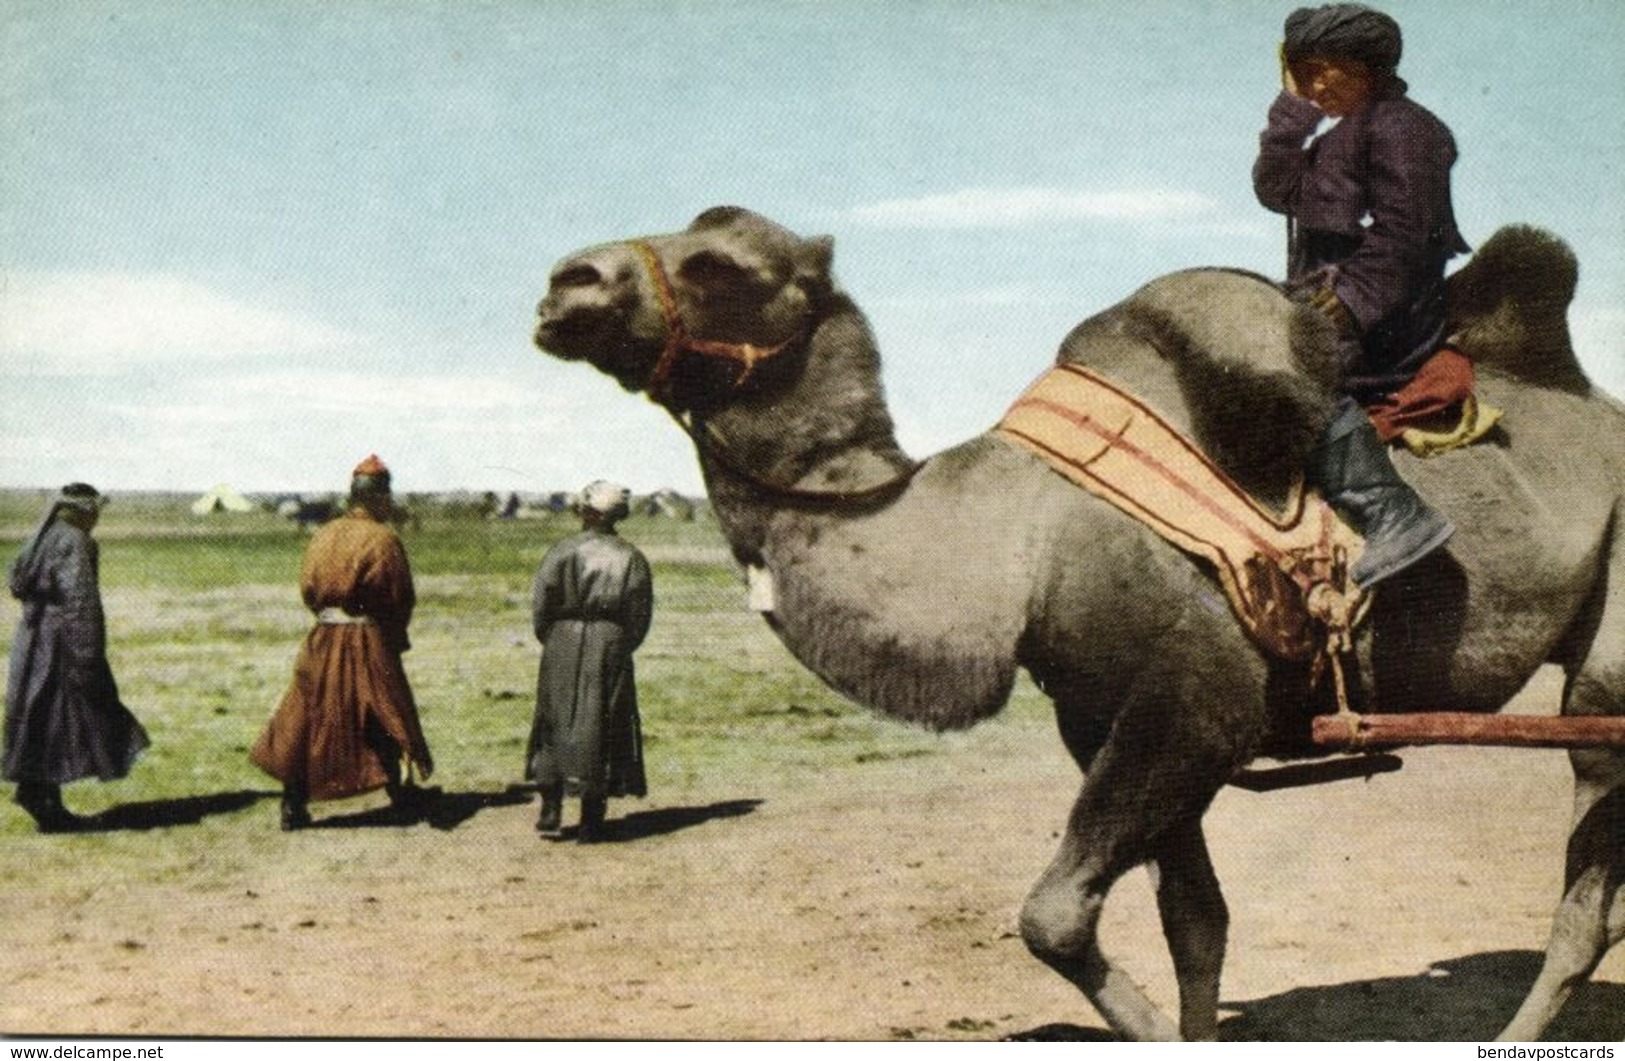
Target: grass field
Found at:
158, 920
204, 619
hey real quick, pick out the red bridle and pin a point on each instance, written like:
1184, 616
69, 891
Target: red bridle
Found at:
679, 341
748, 356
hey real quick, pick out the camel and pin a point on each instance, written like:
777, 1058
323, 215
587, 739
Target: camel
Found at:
884, 590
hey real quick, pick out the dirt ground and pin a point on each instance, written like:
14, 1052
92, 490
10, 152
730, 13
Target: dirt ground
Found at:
1409, 906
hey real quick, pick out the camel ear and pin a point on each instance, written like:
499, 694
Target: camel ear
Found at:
814, 257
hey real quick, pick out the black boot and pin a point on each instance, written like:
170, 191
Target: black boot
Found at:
592, 819
550, 821
408, 801
43, 802
295, 815
1355, 474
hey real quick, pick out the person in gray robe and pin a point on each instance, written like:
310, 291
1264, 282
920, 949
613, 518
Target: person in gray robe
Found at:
592, 602
64, 719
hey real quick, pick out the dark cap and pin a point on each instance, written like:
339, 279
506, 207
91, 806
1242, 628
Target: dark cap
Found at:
82, 496
1344, 31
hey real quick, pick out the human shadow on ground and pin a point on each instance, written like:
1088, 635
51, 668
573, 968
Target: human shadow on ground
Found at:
641, 824
1467, 999
430, 806
163, 813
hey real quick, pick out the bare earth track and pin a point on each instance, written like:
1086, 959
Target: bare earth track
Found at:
878, 905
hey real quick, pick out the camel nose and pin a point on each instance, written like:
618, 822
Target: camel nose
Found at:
600, 275
571, 282
577, 273
587, 291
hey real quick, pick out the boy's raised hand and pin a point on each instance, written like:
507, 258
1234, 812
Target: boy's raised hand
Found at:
1288, 82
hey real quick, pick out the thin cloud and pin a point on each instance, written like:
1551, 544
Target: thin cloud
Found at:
87, 322
1005, 295
401, 394
985, 208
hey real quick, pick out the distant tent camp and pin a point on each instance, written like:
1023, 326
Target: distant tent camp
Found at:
670, 504
220, 498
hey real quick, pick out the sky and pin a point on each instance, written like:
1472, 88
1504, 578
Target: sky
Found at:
254, 242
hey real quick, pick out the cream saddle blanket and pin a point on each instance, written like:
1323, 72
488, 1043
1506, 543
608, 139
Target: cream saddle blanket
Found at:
1286, 576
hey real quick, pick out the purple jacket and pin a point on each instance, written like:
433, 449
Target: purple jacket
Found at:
1369, 206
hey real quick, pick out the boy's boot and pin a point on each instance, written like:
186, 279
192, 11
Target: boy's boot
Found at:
1355, 474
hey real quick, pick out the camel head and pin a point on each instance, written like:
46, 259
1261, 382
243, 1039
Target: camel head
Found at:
693, 315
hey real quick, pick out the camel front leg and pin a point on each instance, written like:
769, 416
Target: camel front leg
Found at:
1059, 923
1196, 923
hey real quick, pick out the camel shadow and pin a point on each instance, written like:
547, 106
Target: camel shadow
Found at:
642, 824
1061, 1033
164, 813
1467, 999
432, 806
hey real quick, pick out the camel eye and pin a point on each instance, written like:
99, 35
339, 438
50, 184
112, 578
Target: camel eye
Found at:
710, 271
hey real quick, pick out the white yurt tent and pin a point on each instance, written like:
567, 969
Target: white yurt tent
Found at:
220, 498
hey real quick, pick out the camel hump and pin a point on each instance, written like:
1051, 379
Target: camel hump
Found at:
1254, 372
1509, 308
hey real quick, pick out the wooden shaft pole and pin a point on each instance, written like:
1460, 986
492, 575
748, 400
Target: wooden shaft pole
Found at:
1448, 727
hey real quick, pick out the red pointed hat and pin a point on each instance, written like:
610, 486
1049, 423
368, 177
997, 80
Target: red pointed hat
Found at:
371, 466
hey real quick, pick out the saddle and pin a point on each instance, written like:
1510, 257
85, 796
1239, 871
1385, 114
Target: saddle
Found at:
1285, 575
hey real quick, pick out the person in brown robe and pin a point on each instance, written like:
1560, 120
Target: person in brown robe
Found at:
349, 717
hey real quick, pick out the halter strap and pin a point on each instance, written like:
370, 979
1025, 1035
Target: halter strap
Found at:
747, 356
679, 341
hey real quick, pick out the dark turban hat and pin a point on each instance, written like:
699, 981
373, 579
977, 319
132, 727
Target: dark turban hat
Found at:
1343, 31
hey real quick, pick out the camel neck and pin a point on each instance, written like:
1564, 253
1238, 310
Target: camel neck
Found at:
822, 441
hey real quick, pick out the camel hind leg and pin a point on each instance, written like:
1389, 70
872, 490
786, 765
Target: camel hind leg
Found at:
1590, 919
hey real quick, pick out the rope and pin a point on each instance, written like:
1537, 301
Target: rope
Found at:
709, 445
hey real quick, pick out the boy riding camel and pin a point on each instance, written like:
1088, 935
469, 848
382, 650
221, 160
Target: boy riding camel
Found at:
1362, 173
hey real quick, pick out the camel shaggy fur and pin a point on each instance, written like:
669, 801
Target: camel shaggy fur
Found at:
894, 599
